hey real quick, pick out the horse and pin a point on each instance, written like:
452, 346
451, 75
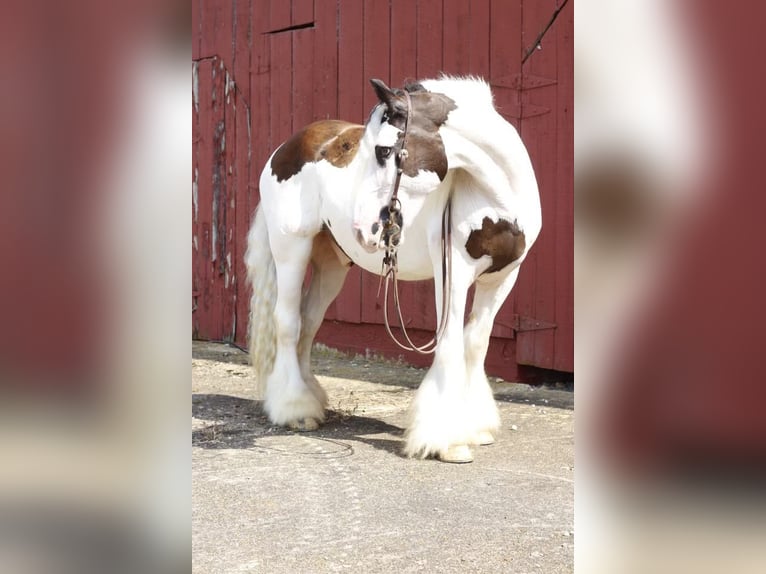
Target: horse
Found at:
435, 175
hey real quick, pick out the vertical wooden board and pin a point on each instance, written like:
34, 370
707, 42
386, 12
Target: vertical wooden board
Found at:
303, 76
505, 55
228, 211
549, 276
241, 64
281, 87
241, 226
501, 359
226, 202
348, 304
404, 38
539, 134
240, 186
212, 21
196, 146
325, 72
260, 106
478, 47
421, 304
281, 15
221, 182
201, 256
377, 47
240, 177
496, 55
564, 29
351, 82
226, 44
302, 12
504, 320
505, 38
261, 21
196, 26
429, 57
377, 64
211, 190
457, 37
259, 139
536, 16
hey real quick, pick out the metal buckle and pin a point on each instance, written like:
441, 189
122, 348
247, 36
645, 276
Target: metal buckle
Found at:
392, 221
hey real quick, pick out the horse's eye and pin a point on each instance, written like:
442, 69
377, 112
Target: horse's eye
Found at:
382, 153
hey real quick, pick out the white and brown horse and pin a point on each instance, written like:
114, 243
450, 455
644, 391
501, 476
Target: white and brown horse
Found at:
326, 202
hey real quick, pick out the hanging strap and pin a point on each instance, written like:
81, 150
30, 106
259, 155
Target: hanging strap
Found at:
389, 275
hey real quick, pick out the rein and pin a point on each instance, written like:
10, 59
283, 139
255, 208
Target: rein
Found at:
389, 269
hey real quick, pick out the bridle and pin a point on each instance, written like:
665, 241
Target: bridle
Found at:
391, 232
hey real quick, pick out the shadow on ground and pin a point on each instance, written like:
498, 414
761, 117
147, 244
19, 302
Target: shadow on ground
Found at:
239, 423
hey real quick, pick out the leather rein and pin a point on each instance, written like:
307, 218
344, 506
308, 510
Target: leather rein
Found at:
389, 270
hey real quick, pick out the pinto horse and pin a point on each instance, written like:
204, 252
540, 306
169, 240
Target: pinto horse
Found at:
464, 192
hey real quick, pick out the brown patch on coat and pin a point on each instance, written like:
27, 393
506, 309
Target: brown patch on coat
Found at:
333, 140
430, 110
425, 147
341, 149
503, 241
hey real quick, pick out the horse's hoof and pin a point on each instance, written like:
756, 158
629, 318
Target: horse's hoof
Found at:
457, 454
485, 438
304, 425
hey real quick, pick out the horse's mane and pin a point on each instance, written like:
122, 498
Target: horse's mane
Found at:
462, 87
469, 89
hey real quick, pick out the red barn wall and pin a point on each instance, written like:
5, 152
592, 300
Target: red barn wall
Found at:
264, 68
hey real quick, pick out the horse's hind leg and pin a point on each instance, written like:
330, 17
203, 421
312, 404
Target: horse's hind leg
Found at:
289, 400
480, 407
329, 270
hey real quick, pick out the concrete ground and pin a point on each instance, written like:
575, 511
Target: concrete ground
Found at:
343, 499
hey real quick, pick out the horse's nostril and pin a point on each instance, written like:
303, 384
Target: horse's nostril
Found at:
375, 227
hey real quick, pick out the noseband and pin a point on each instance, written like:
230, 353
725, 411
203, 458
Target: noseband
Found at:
391, 217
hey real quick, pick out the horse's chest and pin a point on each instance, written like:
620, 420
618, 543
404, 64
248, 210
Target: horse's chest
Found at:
414, 261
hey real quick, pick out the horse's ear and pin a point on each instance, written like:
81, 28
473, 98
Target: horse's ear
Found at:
385, 94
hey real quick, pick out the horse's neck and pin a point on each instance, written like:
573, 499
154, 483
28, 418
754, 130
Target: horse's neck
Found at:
498, 162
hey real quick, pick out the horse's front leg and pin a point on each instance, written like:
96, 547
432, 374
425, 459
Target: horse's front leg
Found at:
289, 400
437, 423
480, 406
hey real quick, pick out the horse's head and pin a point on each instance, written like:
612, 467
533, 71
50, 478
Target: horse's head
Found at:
402, 133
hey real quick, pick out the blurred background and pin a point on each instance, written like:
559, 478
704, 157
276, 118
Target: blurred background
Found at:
669, 278
94, 287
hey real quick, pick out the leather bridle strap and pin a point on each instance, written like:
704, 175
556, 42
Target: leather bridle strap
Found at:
401, 155
391, 274
390, 265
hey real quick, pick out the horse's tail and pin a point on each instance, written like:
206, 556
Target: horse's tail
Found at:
262, 276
